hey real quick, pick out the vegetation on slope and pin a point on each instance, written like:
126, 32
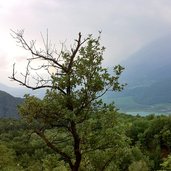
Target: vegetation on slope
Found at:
144, 144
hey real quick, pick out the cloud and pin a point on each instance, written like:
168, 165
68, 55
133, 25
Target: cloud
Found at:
4, 67
3, 62
126, 25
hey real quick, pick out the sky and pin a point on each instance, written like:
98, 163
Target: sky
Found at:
126, 25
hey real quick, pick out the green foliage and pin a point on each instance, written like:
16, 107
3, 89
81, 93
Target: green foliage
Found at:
105, 145
137, 129
139, 166
72, 119
7, 156
166, 165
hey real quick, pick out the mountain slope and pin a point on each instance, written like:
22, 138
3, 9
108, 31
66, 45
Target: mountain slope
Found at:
8, 105
148, 74
150, 64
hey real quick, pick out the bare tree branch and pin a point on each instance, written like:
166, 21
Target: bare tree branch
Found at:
74, 52
35, 53
66, 157
34, 87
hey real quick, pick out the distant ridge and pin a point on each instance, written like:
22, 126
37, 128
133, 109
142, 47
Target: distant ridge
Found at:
21, 91
8, 105
150, 64
148, 74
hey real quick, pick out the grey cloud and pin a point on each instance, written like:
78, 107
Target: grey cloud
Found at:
3, 61
126, 25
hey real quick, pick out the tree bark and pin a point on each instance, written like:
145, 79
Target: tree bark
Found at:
77, 151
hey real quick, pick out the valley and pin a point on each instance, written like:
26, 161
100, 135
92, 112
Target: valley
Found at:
148, 75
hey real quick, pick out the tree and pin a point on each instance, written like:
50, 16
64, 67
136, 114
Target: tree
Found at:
140, 165
166, 164
7, 159
69, 118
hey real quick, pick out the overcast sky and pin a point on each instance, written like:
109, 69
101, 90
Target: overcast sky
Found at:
127, 25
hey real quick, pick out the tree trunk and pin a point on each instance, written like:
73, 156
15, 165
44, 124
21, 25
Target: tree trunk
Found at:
76, 147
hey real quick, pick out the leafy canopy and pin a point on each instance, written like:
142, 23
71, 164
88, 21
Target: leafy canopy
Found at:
71, 119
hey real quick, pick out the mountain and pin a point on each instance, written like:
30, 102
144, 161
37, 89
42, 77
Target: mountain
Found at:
148, 75
150, 64
10, 100
8, 105
21, 91
14, 97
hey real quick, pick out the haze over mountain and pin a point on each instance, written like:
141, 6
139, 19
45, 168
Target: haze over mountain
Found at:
151, 63
148, 74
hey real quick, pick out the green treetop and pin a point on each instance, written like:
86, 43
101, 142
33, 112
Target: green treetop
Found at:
71, 118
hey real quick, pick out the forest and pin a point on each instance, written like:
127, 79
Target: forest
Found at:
138, 144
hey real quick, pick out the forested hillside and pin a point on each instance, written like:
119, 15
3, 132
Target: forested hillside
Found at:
8, 105
147, 73
144, 145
